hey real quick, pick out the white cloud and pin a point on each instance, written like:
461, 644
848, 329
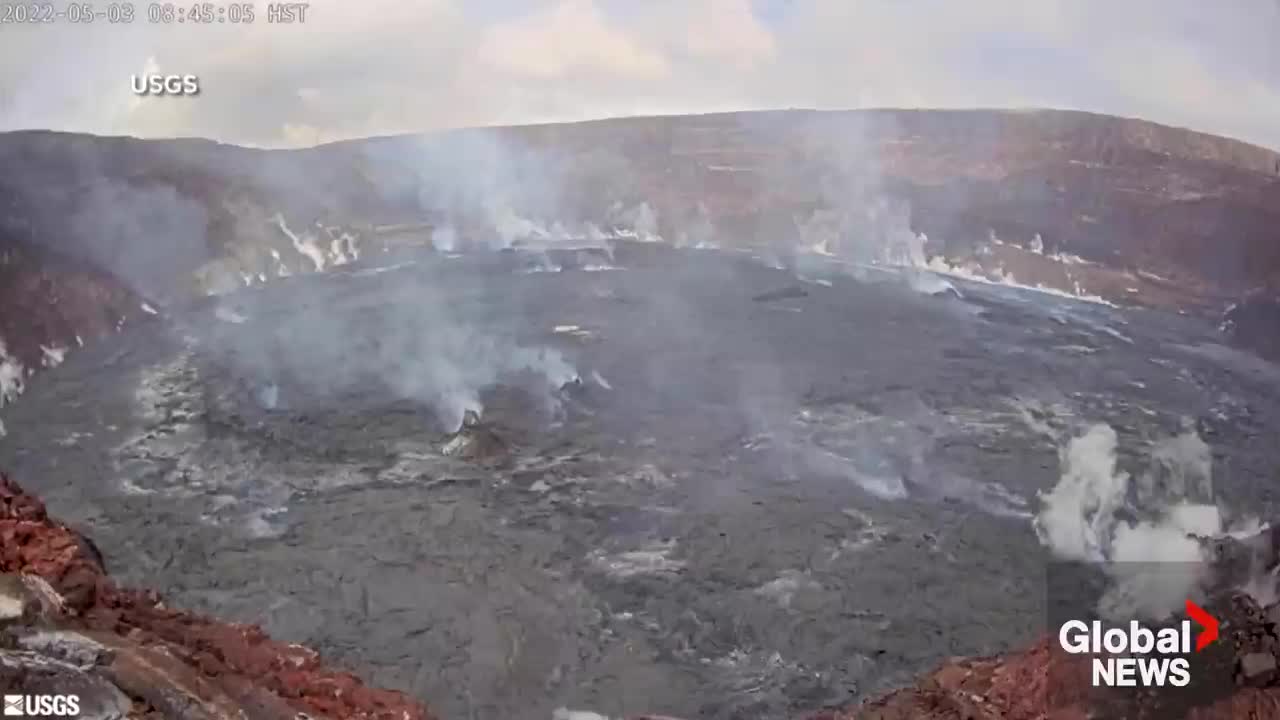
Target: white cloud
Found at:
385, 66
567, 39
725, 30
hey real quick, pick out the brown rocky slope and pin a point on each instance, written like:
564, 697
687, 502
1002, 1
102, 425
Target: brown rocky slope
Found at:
52, 304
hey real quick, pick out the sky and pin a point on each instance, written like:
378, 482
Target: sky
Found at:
377, 67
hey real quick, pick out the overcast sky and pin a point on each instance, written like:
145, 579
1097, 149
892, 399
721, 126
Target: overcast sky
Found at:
364, 67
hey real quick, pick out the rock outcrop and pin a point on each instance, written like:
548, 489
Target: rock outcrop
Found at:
1254, 322
68, 629
49, 305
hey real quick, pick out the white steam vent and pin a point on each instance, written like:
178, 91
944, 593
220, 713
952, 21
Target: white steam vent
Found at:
444, 239
1144, 528
11, 376
52, 355
408, 340
305, 245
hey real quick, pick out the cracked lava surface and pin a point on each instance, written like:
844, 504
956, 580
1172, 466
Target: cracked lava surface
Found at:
741, 507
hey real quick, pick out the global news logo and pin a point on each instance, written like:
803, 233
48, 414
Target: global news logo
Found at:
36, 706
1128, 659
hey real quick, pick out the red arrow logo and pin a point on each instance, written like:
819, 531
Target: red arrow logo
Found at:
1207, 621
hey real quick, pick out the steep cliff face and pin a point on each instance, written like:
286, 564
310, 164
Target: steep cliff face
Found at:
1133, 196
1128, 194
48, 307
65, 300
1131, 211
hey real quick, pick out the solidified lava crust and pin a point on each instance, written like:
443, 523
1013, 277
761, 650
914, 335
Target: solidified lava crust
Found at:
221, 670
169, 662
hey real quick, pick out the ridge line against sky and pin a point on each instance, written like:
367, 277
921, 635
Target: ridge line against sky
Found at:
384, 67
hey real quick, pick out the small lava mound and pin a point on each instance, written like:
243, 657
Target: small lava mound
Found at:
476, 441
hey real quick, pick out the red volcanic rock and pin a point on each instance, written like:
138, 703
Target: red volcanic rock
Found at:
1035, 684
50, 301
174, 660
32, 544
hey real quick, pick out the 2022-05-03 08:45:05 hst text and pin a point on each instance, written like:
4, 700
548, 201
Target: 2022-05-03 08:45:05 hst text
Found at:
161, 13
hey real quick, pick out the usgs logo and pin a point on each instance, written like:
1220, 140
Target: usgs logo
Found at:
41, 705
161, 85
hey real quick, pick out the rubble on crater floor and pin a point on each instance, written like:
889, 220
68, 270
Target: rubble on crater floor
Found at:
65, 627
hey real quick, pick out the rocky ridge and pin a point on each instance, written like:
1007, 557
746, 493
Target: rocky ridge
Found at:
52, 305
1127, 210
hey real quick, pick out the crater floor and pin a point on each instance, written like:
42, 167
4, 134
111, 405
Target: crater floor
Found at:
762, 493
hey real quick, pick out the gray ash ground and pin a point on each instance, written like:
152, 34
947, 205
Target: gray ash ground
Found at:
745, 506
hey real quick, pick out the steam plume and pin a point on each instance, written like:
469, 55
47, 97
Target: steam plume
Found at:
1148, 530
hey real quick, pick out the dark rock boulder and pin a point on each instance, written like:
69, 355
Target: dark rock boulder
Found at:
1254, 323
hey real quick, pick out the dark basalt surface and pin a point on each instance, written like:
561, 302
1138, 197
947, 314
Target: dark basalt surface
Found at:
744, 507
